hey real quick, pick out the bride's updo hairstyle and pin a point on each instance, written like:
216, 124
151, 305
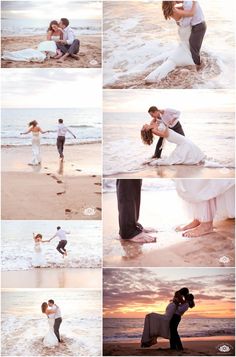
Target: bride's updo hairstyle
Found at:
167, 8
190, 300
33, 123
147, 136
54, 22
44, 307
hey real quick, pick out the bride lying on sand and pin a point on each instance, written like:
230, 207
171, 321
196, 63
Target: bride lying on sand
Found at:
45, 49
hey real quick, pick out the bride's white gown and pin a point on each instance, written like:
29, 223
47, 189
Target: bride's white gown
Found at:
50, 340
38, 257
158, 325
180, 57
208, 198
186, 152
36, 156
45, 48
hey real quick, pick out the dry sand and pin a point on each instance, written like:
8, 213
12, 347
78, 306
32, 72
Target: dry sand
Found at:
53, 278
202, 346
53, 190
164, 210
90, 50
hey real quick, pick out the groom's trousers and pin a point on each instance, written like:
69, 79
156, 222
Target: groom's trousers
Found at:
57, 324
195, 41
60, 145
71, 49
178, 129
61, 246
128, 198
175, 341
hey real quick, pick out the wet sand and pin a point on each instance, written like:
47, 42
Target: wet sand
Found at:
198, 346
53, 278
164, 210
179, 171
90, 53
54, 190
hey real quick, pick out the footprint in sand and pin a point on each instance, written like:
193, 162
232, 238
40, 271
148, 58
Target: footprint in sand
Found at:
98, 208
61, 193
98, 184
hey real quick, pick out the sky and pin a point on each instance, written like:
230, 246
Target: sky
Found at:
185, 100
51, 88
44, 9
132, 293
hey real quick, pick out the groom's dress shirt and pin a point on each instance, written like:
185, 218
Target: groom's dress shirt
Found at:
197, 18
69, 35
57, 311
61, 234
62, 130
170, 117
181, 309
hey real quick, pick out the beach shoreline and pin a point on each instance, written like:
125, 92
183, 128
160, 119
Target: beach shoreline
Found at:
193, 346
90, 52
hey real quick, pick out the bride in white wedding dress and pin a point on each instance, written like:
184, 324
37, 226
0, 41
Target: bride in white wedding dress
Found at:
206, 199
35, 130
181, 56
50, 339
185, 152
45, 50
38, 260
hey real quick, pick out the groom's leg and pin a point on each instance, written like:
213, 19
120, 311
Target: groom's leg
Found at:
178, 129
74, 48
57, 324
60, 145
195, 41
63, 244
158, 150
62, 47
128, 197
59, 247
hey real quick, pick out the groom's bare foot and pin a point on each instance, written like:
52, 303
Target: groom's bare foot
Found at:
191, 225
202, 229
143, 238
75, 56
149, 230
63, 58
65, 254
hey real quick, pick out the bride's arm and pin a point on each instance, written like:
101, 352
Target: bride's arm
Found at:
26, 132
43, 132
49, 312
49, 35
186, 13
162, 134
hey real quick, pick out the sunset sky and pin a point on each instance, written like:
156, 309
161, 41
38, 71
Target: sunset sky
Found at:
46, 9
132, 293
184, 100
51, 88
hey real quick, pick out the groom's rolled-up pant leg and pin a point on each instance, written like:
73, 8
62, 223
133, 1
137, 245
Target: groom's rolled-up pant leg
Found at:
74, 48
178, 129
61, 246
57, 324
175, 341
158, 149
60, 145
128, 198
195, 41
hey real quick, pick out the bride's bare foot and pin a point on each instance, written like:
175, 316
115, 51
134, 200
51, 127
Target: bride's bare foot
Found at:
143, 238
195, 223
202, 229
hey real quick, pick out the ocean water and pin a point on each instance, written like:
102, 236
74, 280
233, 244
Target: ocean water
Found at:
131, 329
24, 325
124, 151
32, 27
84, 244
137, 38
86, 124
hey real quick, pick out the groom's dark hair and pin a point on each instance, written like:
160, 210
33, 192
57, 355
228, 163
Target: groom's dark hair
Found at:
184, 291
51, 301
65, 21
58, 228
60, 121
152, 109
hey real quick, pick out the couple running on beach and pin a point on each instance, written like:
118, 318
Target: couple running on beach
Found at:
166, 325
35, 130
61, 43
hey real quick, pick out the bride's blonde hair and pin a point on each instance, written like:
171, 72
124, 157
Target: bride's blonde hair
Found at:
167, 8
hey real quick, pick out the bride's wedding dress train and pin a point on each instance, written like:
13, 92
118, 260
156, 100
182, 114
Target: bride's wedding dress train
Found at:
50, 340
36, 156
180, 57
208, 198
45, 48
157, 325
186, 152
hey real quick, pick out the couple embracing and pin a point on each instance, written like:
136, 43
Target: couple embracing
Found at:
166, 325
53, 313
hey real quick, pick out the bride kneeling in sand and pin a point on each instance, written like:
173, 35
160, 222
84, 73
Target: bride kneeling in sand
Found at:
45, 50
